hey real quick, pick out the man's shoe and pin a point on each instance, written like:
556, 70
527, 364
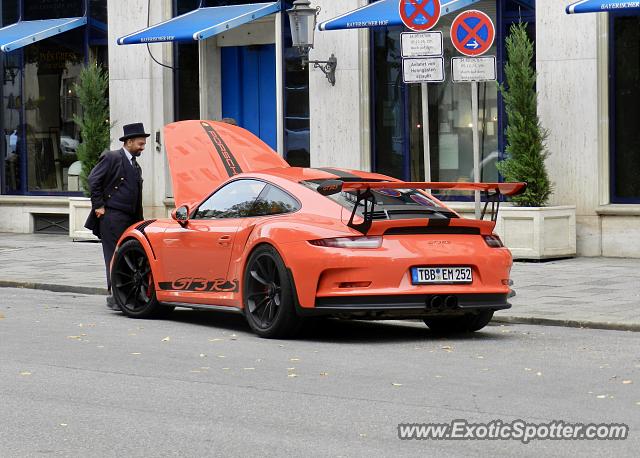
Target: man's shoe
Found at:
111, 303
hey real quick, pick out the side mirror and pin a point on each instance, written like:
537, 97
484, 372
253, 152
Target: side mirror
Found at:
330, 187
181, 215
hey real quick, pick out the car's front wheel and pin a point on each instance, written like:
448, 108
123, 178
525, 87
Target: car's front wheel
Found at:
459, 324
132, 283
268, 295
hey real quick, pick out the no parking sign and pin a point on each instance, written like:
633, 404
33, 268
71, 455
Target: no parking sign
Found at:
472, 33
419, 15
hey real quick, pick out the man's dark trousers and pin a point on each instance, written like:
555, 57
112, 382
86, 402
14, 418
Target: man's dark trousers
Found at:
112, 225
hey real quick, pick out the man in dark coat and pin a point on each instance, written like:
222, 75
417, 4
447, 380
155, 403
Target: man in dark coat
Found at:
116, 194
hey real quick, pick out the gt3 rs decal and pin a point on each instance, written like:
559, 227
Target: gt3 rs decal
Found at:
199, 285
228, 159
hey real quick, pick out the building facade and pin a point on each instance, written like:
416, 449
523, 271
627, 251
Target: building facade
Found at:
587, 70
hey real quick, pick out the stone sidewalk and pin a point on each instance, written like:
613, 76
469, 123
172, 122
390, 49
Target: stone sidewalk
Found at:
580, 292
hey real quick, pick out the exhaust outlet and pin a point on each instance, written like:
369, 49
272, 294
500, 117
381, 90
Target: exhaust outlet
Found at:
437, 302
451, 302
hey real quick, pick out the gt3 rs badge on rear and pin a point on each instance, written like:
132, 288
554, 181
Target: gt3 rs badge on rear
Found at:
220, 285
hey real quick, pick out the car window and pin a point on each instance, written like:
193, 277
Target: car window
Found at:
234, 200
274, 201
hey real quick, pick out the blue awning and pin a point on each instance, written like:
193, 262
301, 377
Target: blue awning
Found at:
383, 13
201, 23
598, 6
23, 33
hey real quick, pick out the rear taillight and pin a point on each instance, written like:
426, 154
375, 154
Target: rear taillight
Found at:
493, 241
349, 242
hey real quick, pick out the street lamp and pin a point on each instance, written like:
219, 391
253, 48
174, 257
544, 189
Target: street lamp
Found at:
303, 25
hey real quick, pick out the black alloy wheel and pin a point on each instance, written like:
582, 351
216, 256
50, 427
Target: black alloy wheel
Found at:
268, 295
132, 283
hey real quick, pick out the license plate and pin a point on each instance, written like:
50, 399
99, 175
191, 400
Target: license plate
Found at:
434, 275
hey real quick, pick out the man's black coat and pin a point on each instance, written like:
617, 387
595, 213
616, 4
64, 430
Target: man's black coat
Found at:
114, 183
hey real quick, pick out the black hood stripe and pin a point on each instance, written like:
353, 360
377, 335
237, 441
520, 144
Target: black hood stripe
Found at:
228, 159
339, 173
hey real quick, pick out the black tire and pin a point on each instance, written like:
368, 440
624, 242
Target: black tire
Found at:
459, 324
267, 293
132, 283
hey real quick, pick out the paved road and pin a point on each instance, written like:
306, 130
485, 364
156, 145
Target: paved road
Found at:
589, 292
79, 380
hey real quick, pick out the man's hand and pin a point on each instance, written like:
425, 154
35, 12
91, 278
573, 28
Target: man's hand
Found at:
99, 212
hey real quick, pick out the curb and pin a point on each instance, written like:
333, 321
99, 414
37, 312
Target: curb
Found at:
609, 326
496, 319
53, 287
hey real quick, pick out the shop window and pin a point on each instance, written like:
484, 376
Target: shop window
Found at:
187, 75
50, 9
12, 120
624, 103
398, 115
10, 12
51, 69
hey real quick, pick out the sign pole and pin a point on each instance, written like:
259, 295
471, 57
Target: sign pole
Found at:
476, 144
425, 132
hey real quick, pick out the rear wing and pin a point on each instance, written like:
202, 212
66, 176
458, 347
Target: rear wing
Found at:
492, 192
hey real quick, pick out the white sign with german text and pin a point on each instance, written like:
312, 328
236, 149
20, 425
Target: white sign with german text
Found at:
421, 44
469, 69
425, 70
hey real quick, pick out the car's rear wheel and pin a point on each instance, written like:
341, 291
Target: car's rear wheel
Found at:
459, 324
268, 295
132, 283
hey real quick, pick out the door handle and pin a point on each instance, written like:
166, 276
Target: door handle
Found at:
224, 240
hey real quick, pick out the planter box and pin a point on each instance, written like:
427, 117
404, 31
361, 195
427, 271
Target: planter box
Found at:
534, 232
79, 209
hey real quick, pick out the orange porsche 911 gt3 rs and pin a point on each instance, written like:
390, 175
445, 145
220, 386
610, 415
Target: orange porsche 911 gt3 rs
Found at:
280, 243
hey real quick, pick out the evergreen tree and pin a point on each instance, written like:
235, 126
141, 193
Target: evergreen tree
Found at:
94, 120
526, 150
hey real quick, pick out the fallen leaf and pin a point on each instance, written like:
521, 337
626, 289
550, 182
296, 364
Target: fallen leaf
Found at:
324, 374
294, 359
225, 368
281, 346
627, 382
291, 368
219, 356
363, 435
1, 316
215, 340
195, 371
447, 348
397, 384
539, 374
292, 375
528, 369
233, 337
136, 353
601, 396
74, 337
202, 355
480, 357
166, 339
63, 424
25, 373
249, 368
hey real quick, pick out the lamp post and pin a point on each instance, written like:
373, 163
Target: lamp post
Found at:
303, 25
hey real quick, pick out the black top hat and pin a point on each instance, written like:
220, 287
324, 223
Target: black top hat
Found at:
134, 130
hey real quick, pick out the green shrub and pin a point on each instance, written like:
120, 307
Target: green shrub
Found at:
526, 149
94, 119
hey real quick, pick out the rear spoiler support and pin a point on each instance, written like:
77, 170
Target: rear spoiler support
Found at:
494, 199
367, 214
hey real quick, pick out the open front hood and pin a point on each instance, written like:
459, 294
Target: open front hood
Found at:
204, 154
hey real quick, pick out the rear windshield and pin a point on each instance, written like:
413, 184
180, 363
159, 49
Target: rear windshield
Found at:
392, 203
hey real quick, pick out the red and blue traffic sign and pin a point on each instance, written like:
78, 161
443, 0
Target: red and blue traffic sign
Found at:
419, 15
472, 33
